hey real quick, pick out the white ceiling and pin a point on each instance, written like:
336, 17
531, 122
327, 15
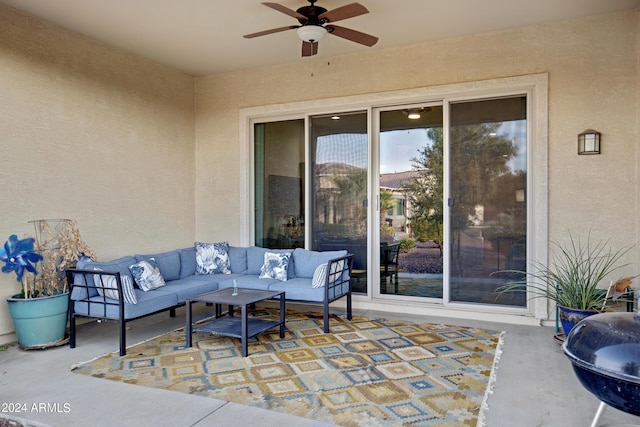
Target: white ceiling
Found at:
202, 37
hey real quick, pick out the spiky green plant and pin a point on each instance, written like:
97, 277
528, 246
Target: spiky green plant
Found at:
573, 275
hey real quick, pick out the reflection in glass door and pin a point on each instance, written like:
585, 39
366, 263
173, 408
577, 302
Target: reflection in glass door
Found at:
279, 184
410, 202
338, 151
487, 199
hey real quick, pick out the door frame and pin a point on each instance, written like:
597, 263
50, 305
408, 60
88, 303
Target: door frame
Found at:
373, 276
535, 86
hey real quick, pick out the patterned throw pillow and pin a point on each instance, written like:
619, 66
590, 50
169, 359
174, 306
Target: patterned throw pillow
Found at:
147, 275
212, 258
320, 275
275, 266
107, 286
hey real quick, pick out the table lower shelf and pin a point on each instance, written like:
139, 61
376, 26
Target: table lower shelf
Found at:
232, 326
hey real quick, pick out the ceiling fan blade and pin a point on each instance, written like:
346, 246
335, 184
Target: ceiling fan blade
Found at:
343, 12
271, 31
285, 10
352, 35
309, 49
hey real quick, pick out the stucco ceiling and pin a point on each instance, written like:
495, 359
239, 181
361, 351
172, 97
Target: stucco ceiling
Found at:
202, 37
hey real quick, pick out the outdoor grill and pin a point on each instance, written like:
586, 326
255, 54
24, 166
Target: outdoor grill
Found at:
604, 350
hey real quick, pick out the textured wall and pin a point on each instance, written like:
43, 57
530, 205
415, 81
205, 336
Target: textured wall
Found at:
593, 73
94, 134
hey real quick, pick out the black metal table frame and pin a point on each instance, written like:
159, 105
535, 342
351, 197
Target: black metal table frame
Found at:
243, 327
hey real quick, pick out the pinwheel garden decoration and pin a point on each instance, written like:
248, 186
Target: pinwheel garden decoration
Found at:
40, 311
19, 255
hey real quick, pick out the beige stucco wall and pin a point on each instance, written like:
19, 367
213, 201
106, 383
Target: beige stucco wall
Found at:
94, 134
636, 137
592, 66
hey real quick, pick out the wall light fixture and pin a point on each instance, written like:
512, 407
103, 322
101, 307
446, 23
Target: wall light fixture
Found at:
589, 142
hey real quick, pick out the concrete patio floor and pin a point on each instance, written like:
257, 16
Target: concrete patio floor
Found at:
535, 384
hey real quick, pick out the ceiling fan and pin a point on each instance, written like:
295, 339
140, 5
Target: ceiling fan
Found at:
316, 22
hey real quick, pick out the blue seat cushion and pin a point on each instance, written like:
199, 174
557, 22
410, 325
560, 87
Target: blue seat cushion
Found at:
148, 302
298, 289
192, 286
246, 281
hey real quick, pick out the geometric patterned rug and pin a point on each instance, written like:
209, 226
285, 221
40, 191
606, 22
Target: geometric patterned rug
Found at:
366, 372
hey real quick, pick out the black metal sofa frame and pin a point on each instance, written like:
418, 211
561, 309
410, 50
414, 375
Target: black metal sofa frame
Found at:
97, 306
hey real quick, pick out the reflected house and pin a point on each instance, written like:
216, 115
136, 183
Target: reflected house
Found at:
395, 183
336, 183
340, 211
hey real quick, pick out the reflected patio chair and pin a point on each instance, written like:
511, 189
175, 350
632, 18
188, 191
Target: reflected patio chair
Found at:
389, 256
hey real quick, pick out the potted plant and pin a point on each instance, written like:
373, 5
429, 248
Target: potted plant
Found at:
39, 311
572, 279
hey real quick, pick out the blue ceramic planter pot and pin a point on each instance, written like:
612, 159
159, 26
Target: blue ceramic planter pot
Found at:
569, 317
39, 322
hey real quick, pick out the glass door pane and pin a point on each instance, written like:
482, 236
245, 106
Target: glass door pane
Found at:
411, 194
338, 145
279, 184
488, 177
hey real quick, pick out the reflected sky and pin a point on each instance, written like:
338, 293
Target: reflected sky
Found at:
398, 147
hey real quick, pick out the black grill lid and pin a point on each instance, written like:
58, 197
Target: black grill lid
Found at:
607, 344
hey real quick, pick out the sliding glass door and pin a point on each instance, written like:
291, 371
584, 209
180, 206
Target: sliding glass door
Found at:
279, 184
431, 198
410, 223
487, 199
338, 147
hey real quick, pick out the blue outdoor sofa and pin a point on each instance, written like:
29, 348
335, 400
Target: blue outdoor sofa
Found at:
113, 290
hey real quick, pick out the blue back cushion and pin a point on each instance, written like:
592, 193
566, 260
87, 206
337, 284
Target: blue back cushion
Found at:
238, 259
120, 265
187, 261
306, 262
167, 262
255, 260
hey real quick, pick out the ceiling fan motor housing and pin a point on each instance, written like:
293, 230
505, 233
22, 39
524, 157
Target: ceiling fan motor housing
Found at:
311, 13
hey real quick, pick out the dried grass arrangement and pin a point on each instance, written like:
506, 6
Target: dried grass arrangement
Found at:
59, 243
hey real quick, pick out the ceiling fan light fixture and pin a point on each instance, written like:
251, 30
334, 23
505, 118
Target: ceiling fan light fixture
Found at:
311, 33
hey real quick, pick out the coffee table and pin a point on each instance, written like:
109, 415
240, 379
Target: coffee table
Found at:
231, 326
